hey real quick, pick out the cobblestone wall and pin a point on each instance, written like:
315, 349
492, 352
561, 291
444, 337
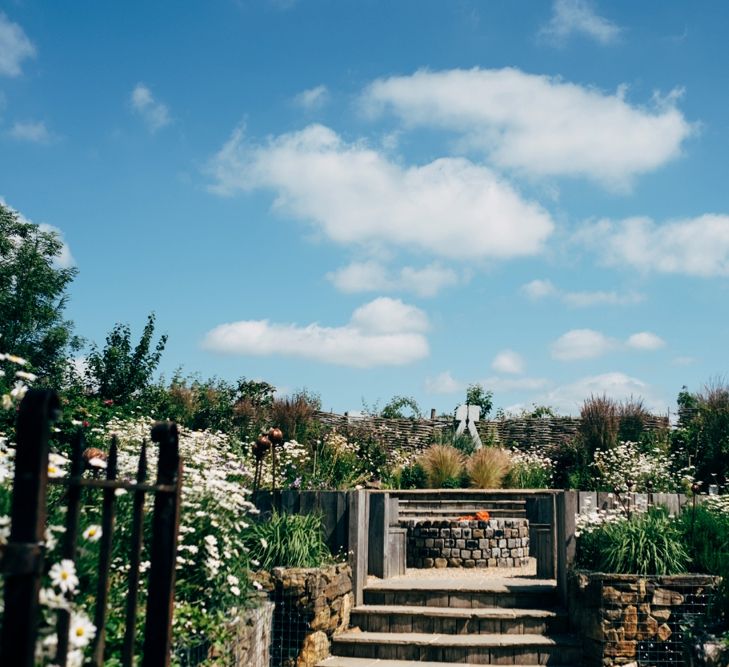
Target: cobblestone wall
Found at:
493, 543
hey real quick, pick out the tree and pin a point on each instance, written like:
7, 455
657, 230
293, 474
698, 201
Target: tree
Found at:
119, 372
394, 409
477, 395
33, 296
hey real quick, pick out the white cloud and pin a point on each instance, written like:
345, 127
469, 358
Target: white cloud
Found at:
384, 332
444, 383
313, 98
154, 113
450, 207
371, 276
540, 289
694, 246
15, 47
684, 361
508, 361
645, 340
581, 344
568, 398
578, 17
33, 131
538, 124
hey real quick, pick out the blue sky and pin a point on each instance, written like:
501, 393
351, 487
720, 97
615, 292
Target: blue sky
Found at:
371, 198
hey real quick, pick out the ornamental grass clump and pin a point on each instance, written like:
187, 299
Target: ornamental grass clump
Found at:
488, 467
287, 540
443, 466
649, 543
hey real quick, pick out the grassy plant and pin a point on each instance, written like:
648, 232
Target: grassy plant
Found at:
632, 417
442, 465
488, 466
599, 423
289, 540
647, 543
412, 477
294, 415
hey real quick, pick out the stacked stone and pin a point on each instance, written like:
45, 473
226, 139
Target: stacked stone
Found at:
628, 620
448, 543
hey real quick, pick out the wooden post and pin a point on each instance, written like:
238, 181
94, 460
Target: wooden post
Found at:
23, 560
163, 558
357, 539
566, 539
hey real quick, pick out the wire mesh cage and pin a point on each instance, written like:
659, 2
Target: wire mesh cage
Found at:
649, 621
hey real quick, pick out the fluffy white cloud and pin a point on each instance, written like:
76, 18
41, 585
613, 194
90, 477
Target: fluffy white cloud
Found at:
154, 113
581, 344
356, 195
15, 47
540, 289
568, 398
538, 124
508, 361
694, 246
372, 276
313, 98
384, 332
444, 383
645, 340
578, 17
33, 131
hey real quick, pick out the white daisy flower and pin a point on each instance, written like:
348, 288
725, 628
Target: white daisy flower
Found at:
81, 631
92, 533
63, 575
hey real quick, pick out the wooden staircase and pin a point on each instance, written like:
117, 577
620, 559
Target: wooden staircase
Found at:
455, 621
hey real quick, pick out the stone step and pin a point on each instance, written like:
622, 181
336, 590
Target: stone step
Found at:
463, 592
341, 661
495, 649
448, 620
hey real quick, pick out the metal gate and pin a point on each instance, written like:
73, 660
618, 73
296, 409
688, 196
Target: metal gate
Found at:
23, 561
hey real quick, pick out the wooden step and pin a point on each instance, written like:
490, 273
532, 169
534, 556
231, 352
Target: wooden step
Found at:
341, 661
451, 514
463, 593
448, 620
470, 649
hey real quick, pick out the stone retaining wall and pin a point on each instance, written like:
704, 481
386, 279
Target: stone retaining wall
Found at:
492, 543
633, 620
312, 605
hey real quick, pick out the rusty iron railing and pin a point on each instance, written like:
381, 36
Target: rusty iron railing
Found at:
23, 561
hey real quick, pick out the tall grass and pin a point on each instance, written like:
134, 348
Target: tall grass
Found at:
487, 467
443, 466
599, 423
289, 540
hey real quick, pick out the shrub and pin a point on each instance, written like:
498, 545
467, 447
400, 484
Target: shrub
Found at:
443, 465
632, 417
395, 408
599, 423
413, 477
464, 443
488, 466
646, 543
294, 415
288, 540
529, 470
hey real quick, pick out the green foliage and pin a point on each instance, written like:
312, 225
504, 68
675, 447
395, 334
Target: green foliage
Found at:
477, 395
632, 417
464, 443
702, 437
395, 409
529, 471
119, 372
646, 543
288, 540
413, 477
33, 298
